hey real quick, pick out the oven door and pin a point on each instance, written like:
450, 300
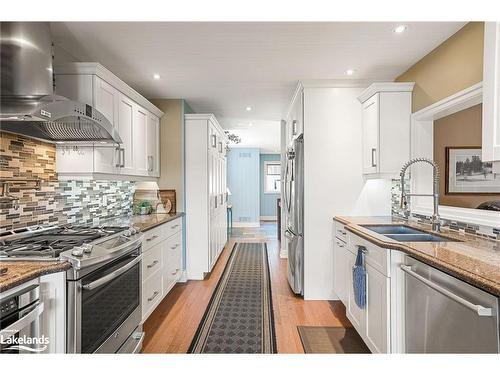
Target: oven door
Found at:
106, 306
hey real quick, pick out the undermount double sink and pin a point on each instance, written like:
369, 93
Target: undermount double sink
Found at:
404, 233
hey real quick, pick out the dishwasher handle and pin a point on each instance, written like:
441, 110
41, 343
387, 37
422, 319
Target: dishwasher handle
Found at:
480, 310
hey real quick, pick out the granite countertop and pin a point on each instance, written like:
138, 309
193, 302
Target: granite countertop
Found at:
144, 222
20, 272
475, 260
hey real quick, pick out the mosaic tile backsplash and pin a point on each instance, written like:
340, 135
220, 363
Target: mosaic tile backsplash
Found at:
57, 202
489, 232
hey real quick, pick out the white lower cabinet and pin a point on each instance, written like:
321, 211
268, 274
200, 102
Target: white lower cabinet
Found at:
340, 267
377, 333
373, 321
53, 318
161, 263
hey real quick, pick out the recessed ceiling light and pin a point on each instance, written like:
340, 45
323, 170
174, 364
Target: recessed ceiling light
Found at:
156, 76
400, 29
248, 108
250, 124
349, 72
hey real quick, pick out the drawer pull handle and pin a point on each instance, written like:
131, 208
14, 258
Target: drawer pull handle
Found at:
340, 244
153, 264
175, 272
152, 238
343, 232
174, 247
174, 226
153, 296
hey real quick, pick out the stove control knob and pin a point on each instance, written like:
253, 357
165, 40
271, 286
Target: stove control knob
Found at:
77, 251
127, 233
87, 248
132, 230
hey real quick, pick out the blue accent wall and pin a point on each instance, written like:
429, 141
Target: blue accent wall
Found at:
243, 181
267, 201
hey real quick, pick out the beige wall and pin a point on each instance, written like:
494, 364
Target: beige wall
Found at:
453, 66
171, 147
459, 129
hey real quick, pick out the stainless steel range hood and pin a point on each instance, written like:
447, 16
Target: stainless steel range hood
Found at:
28, 105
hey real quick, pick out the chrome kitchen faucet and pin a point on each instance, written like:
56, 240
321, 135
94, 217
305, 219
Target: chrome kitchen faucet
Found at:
436, 220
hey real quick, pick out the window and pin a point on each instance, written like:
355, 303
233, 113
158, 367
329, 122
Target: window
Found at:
272, 177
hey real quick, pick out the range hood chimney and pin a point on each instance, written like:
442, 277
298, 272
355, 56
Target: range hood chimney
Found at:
28, 105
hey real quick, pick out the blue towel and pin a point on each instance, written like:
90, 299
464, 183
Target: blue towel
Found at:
359, 278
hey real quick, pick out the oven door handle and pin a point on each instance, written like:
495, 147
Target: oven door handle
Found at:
113, 275
34, 312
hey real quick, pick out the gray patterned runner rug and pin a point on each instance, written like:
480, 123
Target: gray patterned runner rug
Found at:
239, 316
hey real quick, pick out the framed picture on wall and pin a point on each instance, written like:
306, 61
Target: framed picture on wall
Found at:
467, 174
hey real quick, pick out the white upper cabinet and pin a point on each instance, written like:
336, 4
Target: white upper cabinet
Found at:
140, 154
491, 92
386, 119
153, 145
135, 118
126, 119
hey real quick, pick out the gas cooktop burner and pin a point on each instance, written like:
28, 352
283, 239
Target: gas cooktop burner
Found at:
50, 243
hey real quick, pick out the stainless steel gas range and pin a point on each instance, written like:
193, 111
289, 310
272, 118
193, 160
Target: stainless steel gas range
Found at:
103, 284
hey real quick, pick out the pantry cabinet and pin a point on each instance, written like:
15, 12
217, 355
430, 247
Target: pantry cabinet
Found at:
386, 118
135, 118
491, 92
206, 193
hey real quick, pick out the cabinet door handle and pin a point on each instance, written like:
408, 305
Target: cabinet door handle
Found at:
214, 141
150, 163
342, 232
153, 264
176, 270
216, 201
175, 246
151, 238
174, 226
374, 150
153, 296
119, 163
340, 244
294, 127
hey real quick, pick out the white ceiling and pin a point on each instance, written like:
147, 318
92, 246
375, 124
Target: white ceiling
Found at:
224, 67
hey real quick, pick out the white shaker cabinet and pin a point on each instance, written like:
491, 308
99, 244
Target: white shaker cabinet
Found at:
135, 118
153, 146
386, 117
206, 198
491, 92
140, 142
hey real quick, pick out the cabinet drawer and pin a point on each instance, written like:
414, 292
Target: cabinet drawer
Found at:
152, 293
152, 261
375, 256
340, 231
152, 237
172, 227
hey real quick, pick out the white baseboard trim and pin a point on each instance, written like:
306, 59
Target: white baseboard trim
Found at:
195, 277
283, 253
184, 277
269, 218
238, 224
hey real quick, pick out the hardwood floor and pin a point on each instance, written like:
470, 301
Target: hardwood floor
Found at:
172, 326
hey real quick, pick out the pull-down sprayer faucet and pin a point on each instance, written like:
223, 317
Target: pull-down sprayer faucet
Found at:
436, 220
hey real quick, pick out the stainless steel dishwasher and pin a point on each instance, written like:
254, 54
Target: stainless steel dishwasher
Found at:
446, 315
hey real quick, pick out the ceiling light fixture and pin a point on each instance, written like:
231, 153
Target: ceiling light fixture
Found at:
248, 109
400, 29
349, 72
156, 76
250, 124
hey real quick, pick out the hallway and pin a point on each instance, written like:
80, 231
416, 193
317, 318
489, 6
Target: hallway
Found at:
172, 326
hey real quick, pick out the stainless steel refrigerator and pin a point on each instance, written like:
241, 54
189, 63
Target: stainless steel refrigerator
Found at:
294, 212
